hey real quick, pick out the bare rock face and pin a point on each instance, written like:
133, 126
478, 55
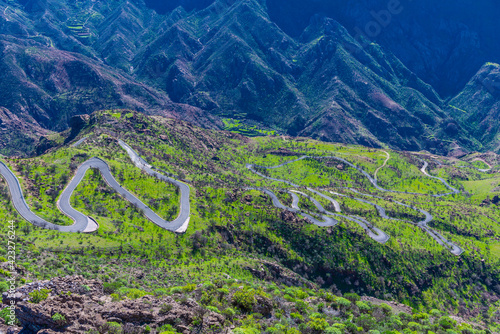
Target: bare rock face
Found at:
272, 272
78, 305
71, 284
263, 306
40, 316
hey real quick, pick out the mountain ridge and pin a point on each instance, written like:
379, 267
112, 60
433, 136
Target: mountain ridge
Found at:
228, 59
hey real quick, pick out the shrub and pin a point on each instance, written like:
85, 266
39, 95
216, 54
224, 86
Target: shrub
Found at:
189, 288
59, 319
366, 321
257, 316
111, 328
115, 297
301, 305
353, 297
160, 292
39, 295
386, 308
229, 313
296, 316
447, 322
413, 326
466, 328
166, 329
244, 299
282, 329
135, 293
332, 330
207, 298
405, 317
213, 309
208, 286
111, 287
317, 324
396, 322
4, 287
165, 308
301, 294
276, 292
242, 330
176, 289
363, 306
5, 315
435, 313
352, 328
5, 272
329, 297
341, 303
420, 316
222, 292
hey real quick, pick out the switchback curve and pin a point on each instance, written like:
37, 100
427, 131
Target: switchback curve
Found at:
83, 223
454, 249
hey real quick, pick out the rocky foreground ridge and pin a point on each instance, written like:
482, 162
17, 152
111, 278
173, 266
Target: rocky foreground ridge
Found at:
85, 308
74, 304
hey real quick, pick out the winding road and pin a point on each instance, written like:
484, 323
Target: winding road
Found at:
482, 170
180, 224
276, 202
83, 223
453, 190
79, 142
372, 180
388, 156
372, 231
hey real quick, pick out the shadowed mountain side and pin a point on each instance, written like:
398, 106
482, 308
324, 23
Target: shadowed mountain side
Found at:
442, 42
43, 88
205, 60
478, 106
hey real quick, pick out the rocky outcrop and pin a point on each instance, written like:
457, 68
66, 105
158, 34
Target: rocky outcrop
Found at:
78, 305
273, 272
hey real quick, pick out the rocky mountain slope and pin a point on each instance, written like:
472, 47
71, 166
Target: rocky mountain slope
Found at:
204, 61
444, 42
478, 106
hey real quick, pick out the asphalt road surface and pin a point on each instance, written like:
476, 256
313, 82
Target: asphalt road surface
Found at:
179, 224
79, 142
81, 221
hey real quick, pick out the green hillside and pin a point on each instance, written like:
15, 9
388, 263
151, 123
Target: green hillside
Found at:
235, 233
